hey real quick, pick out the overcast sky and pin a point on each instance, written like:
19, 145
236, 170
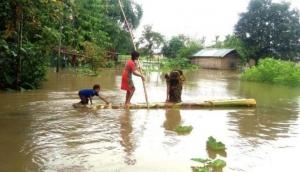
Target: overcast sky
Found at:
194, 18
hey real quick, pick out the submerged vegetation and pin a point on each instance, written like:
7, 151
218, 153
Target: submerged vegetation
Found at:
208, 164
274, 71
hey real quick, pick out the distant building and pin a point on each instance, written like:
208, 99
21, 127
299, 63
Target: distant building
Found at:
215, 58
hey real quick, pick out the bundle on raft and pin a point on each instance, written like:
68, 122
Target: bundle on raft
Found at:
182, 105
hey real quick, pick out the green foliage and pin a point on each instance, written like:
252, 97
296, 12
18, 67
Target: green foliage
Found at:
30, 31
86, 70
94, 55
213, 144
172, 48
132, 10
190, 48
274, 71
208, 164
177, 63
119, 36
109, 64
31, 71
23, 65
183, 129
150, 40
178, 49
201, 160
89, 24
269, 29
33, 67
218, 163
233, 42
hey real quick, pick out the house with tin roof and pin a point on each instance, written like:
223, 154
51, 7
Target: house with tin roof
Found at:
216, 58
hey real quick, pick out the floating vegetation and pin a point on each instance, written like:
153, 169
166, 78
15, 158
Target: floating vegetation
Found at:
213, 144
209, 165
183, 129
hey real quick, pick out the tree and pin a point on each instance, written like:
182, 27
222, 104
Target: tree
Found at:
115, 23
233, 42
31, 30
269, 29
22, 58
191, 47
132, 10
151, 40
172, 48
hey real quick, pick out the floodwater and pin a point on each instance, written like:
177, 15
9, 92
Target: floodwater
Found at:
41, 131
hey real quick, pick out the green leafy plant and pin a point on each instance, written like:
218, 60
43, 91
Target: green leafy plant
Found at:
35, 34
183, 129
218, 163
86, 70
177, 63
208, 165
274, 71
213, 144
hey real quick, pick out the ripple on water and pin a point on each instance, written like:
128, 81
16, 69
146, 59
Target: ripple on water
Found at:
61, 136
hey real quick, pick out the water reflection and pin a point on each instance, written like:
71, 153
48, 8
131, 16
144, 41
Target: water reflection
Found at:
277, 109
212, 154
271, 95
126, 137
173, 119
13, 127
210, 84
265, 125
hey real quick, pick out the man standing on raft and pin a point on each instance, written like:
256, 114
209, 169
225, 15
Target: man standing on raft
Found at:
127, 83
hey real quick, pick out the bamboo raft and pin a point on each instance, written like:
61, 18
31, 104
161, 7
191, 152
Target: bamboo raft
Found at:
187, 105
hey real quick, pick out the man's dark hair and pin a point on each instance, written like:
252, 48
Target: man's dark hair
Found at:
134, 55
96, 86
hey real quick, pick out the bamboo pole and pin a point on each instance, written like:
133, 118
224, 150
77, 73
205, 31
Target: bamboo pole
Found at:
132, 39
187, 105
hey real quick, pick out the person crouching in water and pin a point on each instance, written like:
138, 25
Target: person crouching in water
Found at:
86, 95
127, 83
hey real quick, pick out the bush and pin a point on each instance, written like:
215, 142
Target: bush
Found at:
24, 69
274, 71
178, 63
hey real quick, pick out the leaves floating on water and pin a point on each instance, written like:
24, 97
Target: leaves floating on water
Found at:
218, 163
183, 129
201, 160
209, 165
213, 144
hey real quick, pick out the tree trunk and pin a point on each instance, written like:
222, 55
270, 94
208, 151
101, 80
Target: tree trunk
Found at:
19, 25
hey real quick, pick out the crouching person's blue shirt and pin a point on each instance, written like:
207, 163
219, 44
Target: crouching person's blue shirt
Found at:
88, 93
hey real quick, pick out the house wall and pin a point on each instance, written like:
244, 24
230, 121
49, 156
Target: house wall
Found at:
230, 61
207, 62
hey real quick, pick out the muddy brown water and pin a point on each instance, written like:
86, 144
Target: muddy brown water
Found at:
41, 131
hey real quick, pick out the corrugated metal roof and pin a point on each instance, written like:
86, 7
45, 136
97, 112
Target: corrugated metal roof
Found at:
213, 52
